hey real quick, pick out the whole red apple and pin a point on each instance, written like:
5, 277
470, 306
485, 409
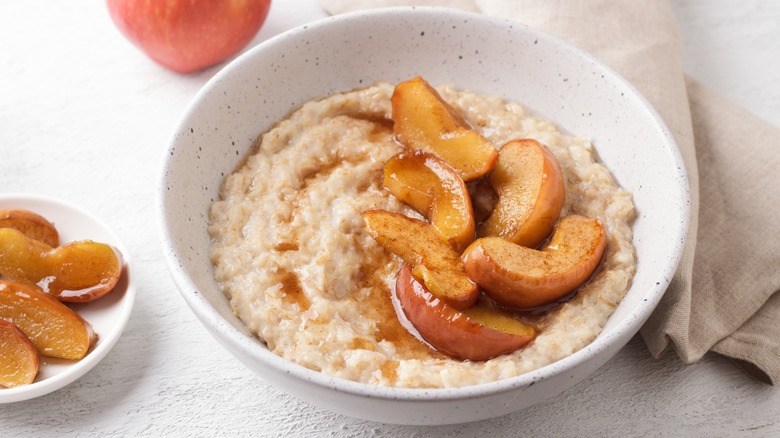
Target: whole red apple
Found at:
188, 35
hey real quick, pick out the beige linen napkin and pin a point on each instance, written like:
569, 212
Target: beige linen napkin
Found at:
722, 297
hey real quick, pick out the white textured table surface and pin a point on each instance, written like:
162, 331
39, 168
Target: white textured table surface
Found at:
85, 117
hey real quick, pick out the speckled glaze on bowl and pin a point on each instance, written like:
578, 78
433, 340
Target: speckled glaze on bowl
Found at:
487, 55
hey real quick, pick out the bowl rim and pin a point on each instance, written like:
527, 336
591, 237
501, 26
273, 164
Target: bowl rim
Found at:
252, 347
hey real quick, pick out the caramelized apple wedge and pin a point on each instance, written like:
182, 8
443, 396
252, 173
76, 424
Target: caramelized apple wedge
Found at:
423, 120
433, 260
530, 188
435, 190
20, 358
53, 328
75, 272
478, 333
524, 278
31, 225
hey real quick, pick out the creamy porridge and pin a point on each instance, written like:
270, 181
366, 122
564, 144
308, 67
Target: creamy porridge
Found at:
292, 254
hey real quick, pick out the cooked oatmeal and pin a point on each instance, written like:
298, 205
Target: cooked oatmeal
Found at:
292, 254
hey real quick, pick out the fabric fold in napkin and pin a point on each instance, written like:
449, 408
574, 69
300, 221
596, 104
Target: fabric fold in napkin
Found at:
722, 297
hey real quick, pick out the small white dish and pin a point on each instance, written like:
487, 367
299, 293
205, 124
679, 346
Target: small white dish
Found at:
108, 315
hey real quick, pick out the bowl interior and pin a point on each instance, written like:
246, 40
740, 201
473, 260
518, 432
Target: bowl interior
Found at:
487, 55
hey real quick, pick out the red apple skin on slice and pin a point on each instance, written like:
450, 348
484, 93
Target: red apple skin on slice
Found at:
453, 332
433, 260
433, 188
423, 120
524, 278
531, 191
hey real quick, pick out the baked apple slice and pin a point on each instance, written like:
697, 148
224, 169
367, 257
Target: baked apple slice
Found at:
53, 328
31, 225
524, 278
435, 190
478, 333
433, 260
423, 120
75, 272
20, 358
530, 188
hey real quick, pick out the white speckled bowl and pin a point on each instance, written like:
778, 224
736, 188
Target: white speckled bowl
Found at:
491, 56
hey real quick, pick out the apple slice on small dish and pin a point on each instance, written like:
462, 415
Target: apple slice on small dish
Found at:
423, 120
53, 328
20, 358
478, 333
31, 225
433, 188
76, 272
530, 187
433, 260
525, 278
